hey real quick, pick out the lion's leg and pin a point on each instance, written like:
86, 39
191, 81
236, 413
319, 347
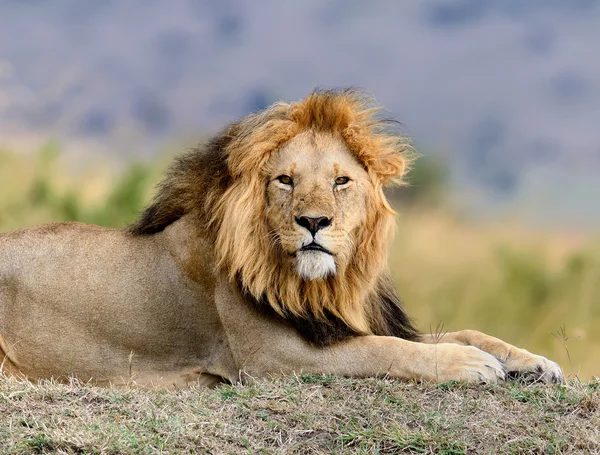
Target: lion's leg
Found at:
368, 356
516, 361
262, 346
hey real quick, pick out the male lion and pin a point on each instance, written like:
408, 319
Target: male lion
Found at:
263, 253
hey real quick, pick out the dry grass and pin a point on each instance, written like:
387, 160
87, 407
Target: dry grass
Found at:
307, 414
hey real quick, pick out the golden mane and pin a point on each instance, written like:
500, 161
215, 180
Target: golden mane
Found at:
223, 185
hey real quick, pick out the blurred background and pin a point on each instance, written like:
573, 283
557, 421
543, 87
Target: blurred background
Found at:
499, 230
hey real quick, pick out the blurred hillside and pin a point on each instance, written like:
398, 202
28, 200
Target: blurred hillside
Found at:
506, 91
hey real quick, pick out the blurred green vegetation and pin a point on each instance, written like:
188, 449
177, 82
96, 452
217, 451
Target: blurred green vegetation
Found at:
47, 194
520, 284
427, 181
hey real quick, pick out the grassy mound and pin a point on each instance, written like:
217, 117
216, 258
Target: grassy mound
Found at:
305, 414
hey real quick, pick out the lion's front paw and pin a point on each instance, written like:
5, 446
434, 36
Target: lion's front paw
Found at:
526, 365
468, 364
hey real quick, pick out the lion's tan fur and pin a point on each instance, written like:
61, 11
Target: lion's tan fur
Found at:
198, 290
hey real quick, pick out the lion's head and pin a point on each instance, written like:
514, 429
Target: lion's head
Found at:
316, 201
293, 198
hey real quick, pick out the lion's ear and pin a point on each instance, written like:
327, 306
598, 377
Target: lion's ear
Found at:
395, 154
379, 143
394, 162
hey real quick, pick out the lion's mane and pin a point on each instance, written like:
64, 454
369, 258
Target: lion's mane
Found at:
222, 186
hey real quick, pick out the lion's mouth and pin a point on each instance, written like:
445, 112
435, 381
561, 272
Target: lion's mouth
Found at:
313, 246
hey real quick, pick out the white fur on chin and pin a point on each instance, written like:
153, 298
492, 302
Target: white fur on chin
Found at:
313, 265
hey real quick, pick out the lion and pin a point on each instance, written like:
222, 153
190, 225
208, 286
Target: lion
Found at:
263, 253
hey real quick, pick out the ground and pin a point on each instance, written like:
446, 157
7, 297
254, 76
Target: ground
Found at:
307, 414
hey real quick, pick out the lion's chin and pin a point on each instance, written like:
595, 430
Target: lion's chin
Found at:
314, 265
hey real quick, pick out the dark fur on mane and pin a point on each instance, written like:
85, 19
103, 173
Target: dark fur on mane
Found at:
393, 320
322, 332
189, 179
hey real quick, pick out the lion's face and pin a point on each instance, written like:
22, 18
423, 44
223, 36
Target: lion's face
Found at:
316, 200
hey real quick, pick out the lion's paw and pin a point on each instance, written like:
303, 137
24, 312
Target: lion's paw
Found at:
533, 367
467, 364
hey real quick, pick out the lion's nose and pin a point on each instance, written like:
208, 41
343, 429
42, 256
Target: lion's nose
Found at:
313, 224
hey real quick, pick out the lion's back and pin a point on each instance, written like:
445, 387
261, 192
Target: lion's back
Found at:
50, 244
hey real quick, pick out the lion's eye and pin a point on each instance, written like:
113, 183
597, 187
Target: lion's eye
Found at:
285, 179
342, 180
